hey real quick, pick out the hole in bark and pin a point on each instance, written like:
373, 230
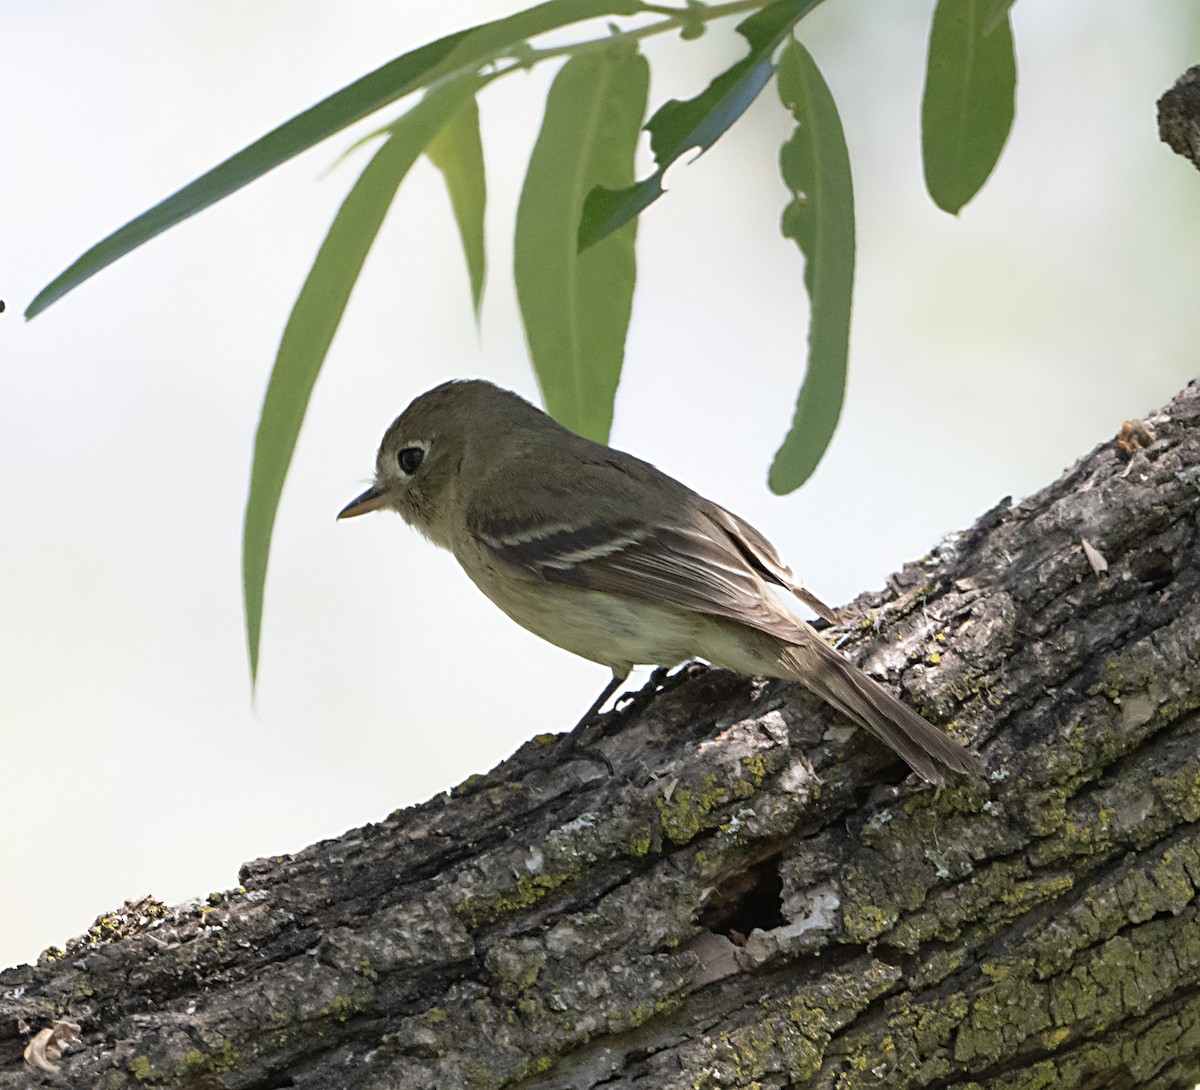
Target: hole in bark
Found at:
1152, 568
746, 900
634, 1065
274, 1082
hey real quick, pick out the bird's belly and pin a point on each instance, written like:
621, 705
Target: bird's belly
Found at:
617, 632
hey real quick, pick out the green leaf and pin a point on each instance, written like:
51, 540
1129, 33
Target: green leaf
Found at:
697, 123
465, 50
994, 12
576, 306
820, 218
970, 86
457, 151
314, 320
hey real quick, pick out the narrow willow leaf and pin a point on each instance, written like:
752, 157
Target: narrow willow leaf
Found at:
820, 218
697, 123
967, 111
576, 306
463, 51
314, 320
457, 151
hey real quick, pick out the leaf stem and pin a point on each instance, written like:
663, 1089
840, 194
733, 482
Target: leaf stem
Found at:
676, 19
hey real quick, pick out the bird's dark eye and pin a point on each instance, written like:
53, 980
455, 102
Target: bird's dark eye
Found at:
410, 459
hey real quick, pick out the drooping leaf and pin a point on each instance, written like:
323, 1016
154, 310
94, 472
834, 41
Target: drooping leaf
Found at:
457, 151
967, 111
820, 218
576, 306
465, 50
314, 320
697, 123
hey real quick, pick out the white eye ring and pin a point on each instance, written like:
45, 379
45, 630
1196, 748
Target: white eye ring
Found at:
410, 456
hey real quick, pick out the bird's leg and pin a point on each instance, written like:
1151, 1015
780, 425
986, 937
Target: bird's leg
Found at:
593, 712
640, 699
573, 745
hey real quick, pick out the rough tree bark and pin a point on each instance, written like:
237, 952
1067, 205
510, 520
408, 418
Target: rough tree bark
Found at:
758, 897
1179, 116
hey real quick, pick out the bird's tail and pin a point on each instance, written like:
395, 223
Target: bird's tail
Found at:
927, 749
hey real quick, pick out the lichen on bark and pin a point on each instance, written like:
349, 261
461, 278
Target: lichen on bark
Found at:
757, 897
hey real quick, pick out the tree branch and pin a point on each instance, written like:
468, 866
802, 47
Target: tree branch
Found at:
1179, 116
758, 896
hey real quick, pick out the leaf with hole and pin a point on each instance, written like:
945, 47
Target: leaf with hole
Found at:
697, 123
815, 165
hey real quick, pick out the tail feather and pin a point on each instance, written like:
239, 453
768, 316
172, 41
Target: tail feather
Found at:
927, 749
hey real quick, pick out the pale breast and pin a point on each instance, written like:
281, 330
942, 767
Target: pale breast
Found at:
619, 633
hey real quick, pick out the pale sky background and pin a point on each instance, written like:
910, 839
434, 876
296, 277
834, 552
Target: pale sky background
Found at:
989, 351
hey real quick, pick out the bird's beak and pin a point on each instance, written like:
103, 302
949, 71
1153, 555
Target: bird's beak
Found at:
371, 500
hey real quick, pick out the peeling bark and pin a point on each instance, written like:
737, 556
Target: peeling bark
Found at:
758, 897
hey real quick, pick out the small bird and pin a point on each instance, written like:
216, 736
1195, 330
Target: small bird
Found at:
606, 556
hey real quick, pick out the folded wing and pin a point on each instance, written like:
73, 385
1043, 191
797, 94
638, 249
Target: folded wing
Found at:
699, 557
